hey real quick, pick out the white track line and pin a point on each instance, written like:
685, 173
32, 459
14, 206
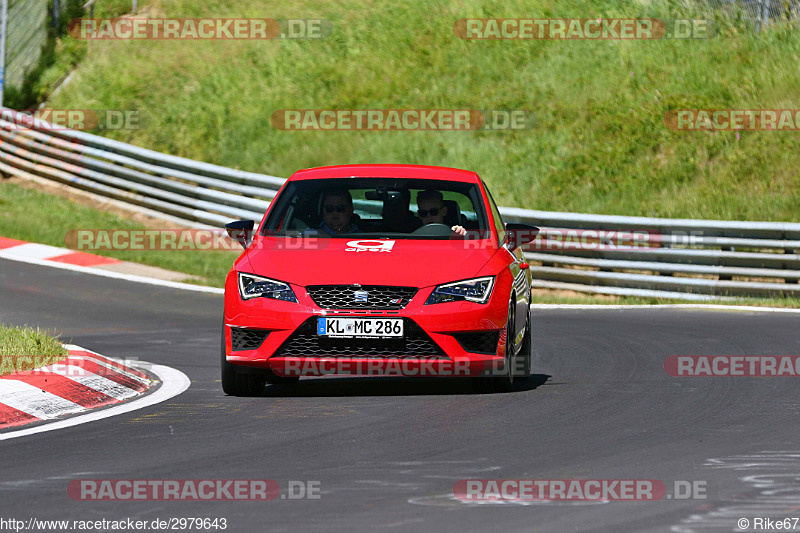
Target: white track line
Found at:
109, 274
173, 382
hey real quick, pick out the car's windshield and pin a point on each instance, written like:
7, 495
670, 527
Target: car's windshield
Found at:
377, 207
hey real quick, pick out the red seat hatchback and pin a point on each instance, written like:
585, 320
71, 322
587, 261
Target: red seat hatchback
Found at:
378, 270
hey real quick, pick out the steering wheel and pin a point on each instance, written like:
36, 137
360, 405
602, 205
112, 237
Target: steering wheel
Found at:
433, 229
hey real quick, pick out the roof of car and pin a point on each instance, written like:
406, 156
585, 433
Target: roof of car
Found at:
387, 171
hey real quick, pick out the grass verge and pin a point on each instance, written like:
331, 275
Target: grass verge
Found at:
31, 215
27, 348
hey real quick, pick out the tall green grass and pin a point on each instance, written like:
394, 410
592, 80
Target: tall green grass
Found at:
599, 143
24, 349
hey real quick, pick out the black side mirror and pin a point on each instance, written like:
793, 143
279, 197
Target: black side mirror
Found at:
241, 231
518, 234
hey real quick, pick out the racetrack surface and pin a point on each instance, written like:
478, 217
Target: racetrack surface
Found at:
387, 451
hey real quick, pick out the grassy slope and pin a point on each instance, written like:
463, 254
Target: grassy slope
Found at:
599, 145
27, 348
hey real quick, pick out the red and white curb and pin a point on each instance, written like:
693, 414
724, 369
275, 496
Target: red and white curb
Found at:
29, 250
76, 387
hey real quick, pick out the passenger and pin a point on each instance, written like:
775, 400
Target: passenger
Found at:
337, 213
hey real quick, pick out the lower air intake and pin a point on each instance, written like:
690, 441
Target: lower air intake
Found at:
247, 339
479, 342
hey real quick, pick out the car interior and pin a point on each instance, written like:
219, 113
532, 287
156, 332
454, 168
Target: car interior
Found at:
376, 209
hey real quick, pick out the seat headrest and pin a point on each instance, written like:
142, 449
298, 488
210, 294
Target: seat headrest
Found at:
453, 216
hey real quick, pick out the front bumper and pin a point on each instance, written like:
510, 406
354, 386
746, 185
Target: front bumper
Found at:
448, 339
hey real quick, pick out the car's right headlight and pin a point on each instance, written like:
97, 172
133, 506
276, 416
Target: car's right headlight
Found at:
472, 290
252, 286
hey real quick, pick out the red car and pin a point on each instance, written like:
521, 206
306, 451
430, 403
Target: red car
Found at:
343, 277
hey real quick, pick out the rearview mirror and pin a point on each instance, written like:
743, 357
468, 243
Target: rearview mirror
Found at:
241, 231
383, 194
518, 234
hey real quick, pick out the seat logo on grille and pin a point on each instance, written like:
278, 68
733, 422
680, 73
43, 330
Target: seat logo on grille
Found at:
360, 296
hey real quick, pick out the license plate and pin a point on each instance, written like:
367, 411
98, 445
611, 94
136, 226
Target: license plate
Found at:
360, 327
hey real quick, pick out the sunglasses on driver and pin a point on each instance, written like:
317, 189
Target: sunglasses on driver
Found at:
432, 212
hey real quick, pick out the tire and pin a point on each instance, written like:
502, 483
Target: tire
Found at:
241, 381
505, 383
525, 352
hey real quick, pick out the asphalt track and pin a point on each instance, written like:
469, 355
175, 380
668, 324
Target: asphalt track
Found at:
387, 451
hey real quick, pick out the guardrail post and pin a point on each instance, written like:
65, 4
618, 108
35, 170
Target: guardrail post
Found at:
791, 251
726, 277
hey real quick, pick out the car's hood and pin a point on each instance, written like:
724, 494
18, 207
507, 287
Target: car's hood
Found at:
416, 263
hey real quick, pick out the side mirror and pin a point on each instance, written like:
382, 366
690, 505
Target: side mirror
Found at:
518, 234
241, 231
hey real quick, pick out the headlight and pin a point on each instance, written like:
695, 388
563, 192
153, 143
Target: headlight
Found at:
473, 290
251, 286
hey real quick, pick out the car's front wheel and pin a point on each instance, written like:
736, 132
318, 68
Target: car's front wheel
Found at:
505, 381
525, 352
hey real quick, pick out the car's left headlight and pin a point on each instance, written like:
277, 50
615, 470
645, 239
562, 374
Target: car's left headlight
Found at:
472, 290
252, 286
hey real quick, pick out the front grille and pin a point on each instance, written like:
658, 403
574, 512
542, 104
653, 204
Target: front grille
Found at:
344, 297
416, 344
479, 341
247, 339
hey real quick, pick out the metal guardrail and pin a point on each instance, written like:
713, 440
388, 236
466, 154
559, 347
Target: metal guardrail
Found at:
679, 258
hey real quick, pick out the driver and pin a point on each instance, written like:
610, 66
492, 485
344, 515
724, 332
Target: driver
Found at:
431, 209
